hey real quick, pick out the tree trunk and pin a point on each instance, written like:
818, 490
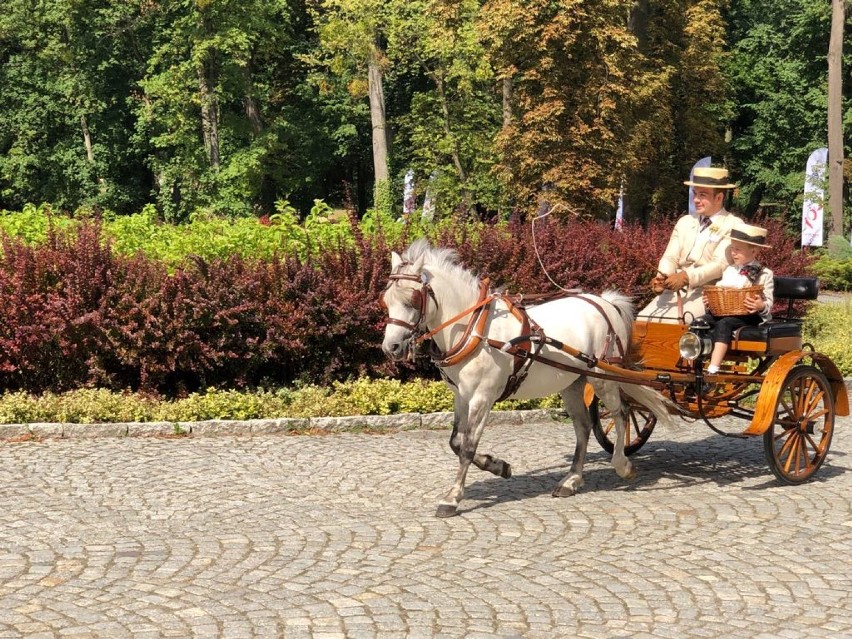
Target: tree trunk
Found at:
90, 153
445, 110
209, 115
507, 100
637, 23
835, 117
377, 116
252, 112
87, 139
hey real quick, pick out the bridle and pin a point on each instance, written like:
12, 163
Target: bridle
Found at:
419, 300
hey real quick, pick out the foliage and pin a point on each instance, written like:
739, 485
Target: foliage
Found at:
358, 397
223, 108
829, 328
74, 312
777, 71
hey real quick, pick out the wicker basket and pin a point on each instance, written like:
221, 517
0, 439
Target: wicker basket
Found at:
729, 301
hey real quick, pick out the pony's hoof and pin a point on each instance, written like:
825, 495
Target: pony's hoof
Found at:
564, 491
446, 510
507, 470
629, 474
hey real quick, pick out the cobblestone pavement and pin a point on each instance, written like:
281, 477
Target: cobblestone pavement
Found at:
334, 536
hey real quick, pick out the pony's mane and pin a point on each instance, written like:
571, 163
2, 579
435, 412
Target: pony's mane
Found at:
444, 259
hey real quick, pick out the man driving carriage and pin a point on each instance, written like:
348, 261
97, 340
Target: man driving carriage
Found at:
697, 252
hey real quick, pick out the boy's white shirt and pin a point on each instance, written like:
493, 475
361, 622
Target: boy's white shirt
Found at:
732, 278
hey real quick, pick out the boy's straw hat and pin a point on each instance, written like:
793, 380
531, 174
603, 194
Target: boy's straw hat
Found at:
714, 177
753, 235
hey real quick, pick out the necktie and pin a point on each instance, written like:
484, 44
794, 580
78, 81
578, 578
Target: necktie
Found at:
704, 223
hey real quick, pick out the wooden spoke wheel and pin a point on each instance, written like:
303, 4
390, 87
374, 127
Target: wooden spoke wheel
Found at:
640, 424
797, 442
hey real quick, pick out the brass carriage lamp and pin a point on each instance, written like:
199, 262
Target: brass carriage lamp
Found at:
695, 343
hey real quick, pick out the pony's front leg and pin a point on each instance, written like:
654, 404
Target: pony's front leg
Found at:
575, 406
483, 461
467, 430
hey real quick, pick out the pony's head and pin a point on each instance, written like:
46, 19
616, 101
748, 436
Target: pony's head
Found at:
406, 299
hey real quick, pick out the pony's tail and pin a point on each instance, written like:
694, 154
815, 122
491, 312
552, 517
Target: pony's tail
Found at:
653, 400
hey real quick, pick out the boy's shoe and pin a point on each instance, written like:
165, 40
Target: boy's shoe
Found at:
705, 388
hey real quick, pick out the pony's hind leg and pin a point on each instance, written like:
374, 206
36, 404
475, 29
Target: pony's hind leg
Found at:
572, 398
610, 395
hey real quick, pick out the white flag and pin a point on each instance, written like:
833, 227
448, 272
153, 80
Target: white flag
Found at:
428, 213
703, 162
408, 194
813, 208
619, 212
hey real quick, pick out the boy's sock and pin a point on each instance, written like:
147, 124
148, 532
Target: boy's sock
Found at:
712, 369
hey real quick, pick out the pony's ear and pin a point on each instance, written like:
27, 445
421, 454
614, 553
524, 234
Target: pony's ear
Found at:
396, 260
418, 263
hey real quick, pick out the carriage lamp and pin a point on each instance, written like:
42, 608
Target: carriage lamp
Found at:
696, 343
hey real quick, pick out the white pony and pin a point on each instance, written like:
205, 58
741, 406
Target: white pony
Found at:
429, 292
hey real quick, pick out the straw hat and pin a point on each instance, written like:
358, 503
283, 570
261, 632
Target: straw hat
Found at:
754, 235
714, 177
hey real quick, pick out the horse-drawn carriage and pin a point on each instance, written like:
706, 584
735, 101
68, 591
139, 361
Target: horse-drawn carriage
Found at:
787, 392
617, 376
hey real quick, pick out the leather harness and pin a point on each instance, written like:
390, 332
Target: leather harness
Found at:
524, 349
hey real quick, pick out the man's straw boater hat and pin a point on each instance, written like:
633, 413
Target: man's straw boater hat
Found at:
714, 177
748, 234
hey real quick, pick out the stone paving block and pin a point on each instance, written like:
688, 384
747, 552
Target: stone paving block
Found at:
94, 430
280, 425
40, 430
403, 421
436, 421
12, 431
217, 427
150, 429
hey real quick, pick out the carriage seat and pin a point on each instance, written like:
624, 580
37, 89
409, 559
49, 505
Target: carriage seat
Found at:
779, 335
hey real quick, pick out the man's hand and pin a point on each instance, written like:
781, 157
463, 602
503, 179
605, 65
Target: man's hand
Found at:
658, 284
677, 281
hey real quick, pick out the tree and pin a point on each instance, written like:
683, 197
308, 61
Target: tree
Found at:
835, 116
454, 109
350, 40
65, 135
777, 70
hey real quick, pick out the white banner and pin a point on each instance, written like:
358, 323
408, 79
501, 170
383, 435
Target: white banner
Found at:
408, 194
619, 212
703, 162
428, 213
814, 206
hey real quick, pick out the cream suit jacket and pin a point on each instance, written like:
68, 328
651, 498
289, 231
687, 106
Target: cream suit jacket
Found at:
702, 256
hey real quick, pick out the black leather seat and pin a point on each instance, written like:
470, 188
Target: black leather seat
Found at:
779, 334
769, 330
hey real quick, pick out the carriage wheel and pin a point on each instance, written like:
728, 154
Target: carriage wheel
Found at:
797, 442
640, 424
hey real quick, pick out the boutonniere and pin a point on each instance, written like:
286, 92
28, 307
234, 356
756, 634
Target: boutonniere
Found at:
714, 229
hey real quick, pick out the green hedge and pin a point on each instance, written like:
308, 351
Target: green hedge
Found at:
360, 397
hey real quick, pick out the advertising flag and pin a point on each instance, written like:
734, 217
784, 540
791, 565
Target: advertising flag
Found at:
814, 206
408, 195
703, 162
619, 212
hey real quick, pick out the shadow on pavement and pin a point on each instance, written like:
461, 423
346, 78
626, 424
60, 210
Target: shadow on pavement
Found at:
661, 466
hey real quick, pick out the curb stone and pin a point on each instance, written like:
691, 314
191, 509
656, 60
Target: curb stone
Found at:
216, 427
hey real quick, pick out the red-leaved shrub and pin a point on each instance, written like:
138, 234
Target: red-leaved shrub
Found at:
72, 313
